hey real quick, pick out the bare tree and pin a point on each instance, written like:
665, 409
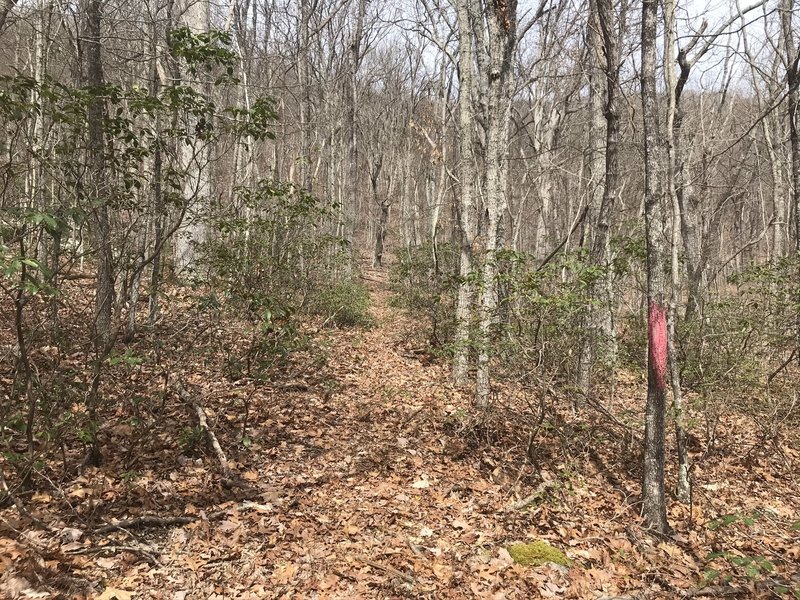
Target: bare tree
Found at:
467, 13
653, 500
607, 26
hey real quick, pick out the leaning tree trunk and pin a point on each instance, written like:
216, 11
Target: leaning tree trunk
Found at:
653, 500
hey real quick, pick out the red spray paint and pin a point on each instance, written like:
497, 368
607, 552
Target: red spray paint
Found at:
657, 342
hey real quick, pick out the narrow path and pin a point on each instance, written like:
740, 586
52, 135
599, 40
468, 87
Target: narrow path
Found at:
365, 496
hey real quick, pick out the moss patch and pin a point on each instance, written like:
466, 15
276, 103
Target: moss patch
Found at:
537, 553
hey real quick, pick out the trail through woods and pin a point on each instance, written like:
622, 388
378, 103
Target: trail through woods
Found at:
373, 478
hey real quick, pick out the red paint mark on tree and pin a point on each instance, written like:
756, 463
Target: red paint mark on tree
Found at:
657, 342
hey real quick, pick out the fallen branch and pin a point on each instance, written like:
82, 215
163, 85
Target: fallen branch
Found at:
229, 478
531, 498
18, 504
155, 521
143, 522
150, 555
387, 569
717, 591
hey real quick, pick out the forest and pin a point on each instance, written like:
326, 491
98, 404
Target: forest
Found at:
399, 299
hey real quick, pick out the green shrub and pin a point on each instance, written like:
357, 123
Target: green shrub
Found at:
731, 352
345, 304
427, 287
542, 314
269, 266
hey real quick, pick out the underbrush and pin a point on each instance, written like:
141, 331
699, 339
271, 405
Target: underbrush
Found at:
262, 290
737, 353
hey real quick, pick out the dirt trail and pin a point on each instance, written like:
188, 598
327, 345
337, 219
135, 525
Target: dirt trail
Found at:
363, 495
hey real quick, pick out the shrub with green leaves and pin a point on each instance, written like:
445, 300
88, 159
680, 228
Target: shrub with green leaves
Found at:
734, 353
425, 282
543, 312
344, 303
271, 260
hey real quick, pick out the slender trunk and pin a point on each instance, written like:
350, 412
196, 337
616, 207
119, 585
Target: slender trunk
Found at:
683, 491
304, 81
383, 205
600, 320
501, 25
156, 200
349, 211
793, 109
97, 178
466, 173
653, 500
97, 190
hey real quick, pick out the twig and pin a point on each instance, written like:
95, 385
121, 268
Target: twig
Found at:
156, 521
23, 512
716, 591
142, 522
149, 555
782, 367
387, 569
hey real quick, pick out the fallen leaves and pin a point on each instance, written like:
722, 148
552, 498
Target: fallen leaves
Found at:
383, 488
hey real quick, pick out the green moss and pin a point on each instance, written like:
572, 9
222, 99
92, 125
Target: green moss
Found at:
537, 553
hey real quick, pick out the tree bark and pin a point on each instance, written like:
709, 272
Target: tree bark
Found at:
604, 33
653, 501
104, 287
501, 23
195, 160
466, 172
683, 491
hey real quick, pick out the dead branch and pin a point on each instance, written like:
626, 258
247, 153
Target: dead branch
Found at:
388, 570
227, 472
143, 522
150, 555
531, 498
18, 504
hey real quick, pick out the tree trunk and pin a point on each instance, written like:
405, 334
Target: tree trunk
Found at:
466, 173
157, 200
501, 24
604, 41
653, 500
793, 110
683, 491
195, 160
104, 287
97, 196
348, 207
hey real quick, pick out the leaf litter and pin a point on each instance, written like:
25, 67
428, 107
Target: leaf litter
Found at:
370, 477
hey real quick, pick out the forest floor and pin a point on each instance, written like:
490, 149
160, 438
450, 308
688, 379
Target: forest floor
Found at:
370, 476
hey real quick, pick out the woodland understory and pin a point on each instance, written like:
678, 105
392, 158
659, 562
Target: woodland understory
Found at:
414, 299
360, 472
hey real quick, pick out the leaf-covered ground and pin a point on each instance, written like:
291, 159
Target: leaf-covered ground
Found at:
369, 476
